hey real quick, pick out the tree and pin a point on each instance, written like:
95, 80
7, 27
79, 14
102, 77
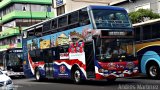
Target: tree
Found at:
142, 15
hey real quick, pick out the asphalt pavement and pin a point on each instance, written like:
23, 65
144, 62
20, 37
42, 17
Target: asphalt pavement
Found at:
135, 83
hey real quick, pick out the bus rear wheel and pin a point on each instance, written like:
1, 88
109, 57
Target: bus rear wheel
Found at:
76, 75
153, 71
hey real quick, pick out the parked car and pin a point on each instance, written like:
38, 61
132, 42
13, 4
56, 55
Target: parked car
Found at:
5, 81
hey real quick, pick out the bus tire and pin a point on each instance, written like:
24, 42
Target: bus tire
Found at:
76, 76
37, 75
152, 70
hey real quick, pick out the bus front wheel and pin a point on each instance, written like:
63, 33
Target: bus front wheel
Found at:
76, 75
37, 75
153, 71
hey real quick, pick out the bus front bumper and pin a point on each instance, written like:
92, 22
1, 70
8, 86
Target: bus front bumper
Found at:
111, 74
120, 74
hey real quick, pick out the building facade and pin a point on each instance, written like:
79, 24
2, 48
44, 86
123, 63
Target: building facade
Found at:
18, 14
64, 6
133, 5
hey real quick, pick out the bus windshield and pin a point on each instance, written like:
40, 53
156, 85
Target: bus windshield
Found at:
115, 50
14, 59
106, 19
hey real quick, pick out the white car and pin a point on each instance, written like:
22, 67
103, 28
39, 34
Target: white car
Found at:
5, 81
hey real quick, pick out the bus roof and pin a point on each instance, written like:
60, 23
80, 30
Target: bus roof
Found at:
106, 7
146, 22
96, 7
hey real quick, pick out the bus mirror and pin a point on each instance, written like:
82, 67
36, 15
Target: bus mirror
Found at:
24, 34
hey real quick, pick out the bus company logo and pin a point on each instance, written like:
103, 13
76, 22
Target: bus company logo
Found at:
62, 69
130, 65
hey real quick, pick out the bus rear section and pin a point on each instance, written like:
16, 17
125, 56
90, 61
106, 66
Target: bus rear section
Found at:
79, 46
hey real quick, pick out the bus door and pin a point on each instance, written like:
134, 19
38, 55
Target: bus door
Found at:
89, 57
48, 59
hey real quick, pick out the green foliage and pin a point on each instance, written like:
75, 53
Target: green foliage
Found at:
142, 14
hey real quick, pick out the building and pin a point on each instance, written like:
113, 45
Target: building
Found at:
64, 6
18, 14
133, 5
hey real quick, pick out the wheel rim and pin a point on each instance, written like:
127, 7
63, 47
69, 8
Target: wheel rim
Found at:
37, 75
77, 76
153, 71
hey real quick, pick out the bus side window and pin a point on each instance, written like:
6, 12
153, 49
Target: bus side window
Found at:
47, 26
55, 52
54, 24
73, 20
30, 33
64, 53
83, 17
38, 55
64, 49
62, 23
33, 55
47, 55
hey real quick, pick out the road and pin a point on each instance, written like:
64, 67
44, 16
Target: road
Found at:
141, 83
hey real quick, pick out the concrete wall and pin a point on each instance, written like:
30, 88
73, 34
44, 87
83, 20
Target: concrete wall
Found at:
132, 6
74, 5
71, 5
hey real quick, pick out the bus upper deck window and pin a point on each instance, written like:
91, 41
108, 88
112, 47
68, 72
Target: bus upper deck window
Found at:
83, 17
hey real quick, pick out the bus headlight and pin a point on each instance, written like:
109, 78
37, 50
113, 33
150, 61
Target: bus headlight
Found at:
100, 70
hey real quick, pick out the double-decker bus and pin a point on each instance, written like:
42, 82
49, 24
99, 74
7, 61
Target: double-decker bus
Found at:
92, 43
11, 61
147, 36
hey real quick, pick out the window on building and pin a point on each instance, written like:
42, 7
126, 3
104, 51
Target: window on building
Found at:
36, 7
25, 7
7, 10
60, 10
1, 59
13, 40
1, 43
1, 14
0, 28
26, 22
18, 7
